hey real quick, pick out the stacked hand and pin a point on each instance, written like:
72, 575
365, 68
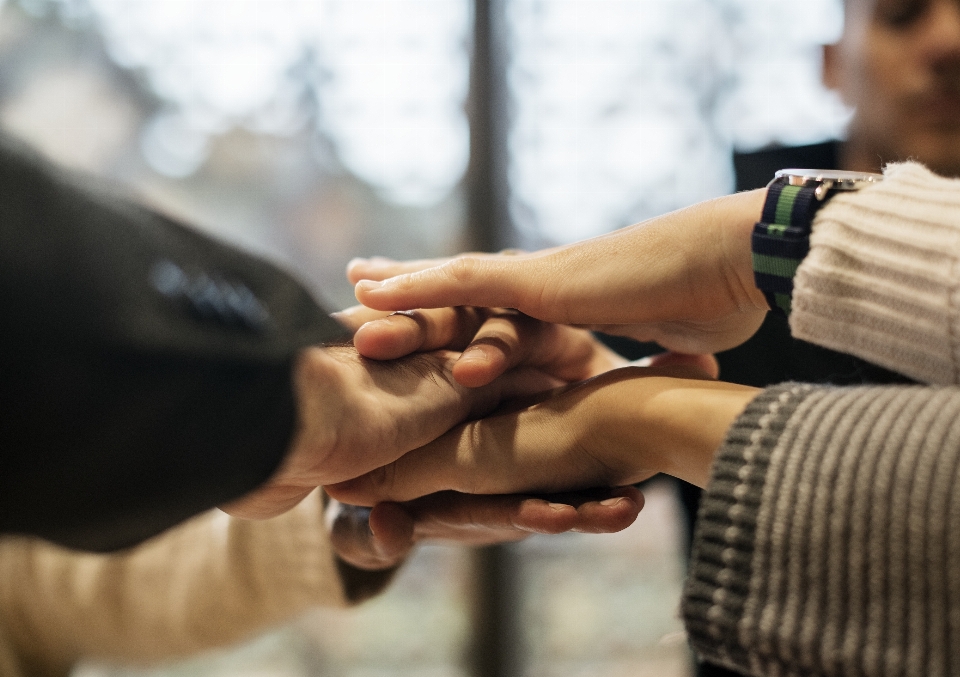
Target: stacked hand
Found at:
383, 536
357, 414
684, 280
490, 329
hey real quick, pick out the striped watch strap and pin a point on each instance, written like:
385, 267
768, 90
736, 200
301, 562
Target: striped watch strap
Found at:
781, 239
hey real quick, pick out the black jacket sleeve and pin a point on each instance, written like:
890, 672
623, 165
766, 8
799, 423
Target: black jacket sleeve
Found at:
145, 370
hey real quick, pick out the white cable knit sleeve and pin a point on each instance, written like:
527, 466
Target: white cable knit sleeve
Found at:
209, 582
882, 279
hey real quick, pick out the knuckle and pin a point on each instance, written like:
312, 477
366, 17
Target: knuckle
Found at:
461, 270
403, 318
311, 365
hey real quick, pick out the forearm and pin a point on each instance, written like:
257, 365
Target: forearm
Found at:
830, 515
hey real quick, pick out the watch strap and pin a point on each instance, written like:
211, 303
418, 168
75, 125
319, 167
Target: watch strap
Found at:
781, 240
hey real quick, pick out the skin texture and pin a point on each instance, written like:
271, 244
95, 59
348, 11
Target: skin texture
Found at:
357, 414
493, 341
618, 428
637, 281
898, 64
383, 537
568, 434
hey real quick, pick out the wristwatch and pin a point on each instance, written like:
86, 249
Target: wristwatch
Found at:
781, 239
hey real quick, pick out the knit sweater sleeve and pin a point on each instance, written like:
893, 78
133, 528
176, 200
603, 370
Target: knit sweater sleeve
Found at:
882, 279
829, 537
212, 581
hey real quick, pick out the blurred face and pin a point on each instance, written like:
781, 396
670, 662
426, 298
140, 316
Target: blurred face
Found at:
898, 64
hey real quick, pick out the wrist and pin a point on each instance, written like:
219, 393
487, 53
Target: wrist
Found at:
739, 215
697, 415
667, 420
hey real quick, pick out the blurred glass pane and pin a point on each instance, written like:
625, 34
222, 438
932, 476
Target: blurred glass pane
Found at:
625, 109
608, 605
776, 94
393, 92
313, 132
316, 131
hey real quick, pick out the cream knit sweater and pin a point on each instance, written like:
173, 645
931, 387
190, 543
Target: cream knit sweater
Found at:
210, 582
829, 537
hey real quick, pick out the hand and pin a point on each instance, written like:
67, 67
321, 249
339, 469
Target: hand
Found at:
493, 341
383, 536
619, 428
355, 415
684, 280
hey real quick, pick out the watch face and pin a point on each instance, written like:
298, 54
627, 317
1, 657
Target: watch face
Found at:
837, 179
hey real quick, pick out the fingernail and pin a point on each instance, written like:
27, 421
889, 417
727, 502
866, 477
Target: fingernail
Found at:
356, 260
557, 506
472, 353
368, 285
610, 502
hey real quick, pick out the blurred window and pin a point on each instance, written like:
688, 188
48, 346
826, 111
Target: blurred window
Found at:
313, 131
625, 109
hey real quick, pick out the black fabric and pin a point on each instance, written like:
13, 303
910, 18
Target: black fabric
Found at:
145, 370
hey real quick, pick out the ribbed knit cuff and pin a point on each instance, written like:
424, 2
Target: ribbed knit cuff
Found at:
829, 537
721, 564
881, 279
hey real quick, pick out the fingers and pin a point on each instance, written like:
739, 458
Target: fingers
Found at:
355, 317
538, 448
268, 501
380, 268
382, 537
388, 337
493, 341
501, 340
505, 340
481, 520
598, 511
370, 539
493, 281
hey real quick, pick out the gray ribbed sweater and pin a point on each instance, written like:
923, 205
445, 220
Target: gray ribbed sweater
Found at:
829, 537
